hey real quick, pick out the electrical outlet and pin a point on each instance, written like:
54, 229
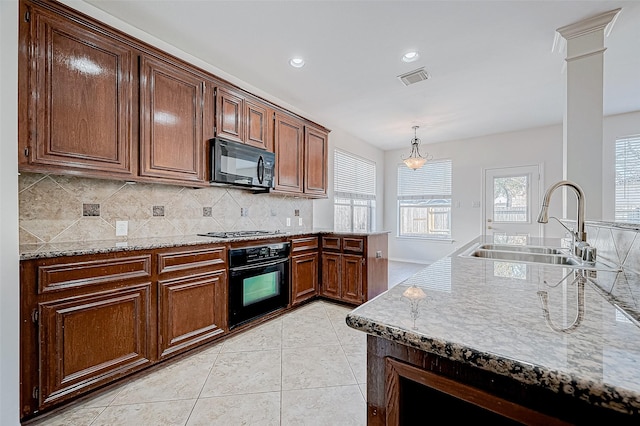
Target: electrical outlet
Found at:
122, 228
244, 211
299, 221
288, 221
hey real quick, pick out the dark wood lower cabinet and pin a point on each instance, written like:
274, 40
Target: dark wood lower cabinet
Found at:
352, 278
408, 386
331, 275
191, 311
354, 268
304, 277
88, 320
92, 339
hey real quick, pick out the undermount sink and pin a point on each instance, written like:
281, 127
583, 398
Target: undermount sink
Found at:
533, 254
523, 249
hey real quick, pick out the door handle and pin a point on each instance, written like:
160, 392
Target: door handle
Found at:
489, 220
489, 227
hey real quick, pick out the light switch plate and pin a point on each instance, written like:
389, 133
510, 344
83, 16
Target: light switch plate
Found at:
299, 221
288, 221
122, 228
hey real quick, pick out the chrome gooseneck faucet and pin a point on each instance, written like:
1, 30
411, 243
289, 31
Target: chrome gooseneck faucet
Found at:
580, 236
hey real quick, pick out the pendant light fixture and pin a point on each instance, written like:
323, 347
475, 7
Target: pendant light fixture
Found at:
414, 161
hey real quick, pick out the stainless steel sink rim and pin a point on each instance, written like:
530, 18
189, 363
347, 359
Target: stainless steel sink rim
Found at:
539, 255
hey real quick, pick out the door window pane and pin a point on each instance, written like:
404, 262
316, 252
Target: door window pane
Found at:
511, 199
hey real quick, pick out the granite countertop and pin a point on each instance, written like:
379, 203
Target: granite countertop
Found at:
491, 315
74, 248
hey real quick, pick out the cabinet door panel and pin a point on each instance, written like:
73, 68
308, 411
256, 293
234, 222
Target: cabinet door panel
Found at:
331, 273
304, 277
191, 311
83, 107
171, 145
90, 340
289, 154
315, 162
257, 133
229, 115
352, 274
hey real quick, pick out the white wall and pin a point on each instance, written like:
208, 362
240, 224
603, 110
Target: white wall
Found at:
469, 158
323, 208
9, 258
614, 126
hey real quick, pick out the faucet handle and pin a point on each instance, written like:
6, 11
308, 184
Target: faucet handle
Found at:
589, 254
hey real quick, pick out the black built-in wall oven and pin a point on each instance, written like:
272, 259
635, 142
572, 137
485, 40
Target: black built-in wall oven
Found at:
258, 281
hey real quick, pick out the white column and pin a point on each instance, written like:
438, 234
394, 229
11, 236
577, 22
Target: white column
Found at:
582, 148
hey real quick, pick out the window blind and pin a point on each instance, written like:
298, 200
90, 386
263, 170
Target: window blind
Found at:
431, 181
353, 176
627, 208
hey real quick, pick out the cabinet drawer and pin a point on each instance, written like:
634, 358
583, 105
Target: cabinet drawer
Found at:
189, 259
302, 244
68, 275
331, 243
353, 245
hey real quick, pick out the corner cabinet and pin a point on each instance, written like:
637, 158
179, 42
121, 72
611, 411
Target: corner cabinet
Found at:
354, 267
171, 114
76, 92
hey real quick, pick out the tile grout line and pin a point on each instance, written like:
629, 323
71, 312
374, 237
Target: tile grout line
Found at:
204, 383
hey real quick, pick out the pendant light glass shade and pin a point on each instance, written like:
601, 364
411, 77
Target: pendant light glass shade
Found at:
415, 160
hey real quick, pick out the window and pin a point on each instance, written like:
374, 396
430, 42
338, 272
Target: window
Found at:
354, 185
424, 200
628, 179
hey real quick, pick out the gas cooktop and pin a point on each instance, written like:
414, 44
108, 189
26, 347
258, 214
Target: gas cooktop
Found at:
237, 234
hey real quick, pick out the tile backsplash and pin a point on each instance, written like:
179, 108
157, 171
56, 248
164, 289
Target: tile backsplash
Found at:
68, 208
618, 243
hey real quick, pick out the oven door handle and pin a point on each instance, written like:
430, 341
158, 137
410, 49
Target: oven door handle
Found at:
258, 265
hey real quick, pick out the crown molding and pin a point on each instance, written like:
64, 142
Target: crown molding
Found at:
604, 21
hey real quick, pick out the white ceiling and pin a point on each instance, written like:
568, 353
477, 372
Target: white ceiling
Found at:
491, 62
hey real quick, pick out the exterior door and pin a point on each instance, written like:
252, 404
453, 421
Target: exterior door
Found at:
512, 202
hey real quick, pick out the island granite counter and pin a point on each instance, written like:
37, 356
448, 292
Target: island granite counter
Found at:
537, 343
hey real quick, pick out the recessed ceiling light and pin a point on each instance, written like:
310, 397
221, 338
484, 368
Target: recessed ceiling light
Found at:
296, 62
410, 56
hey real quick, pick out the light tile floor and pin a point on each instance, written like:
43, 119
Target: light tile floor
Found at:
306, 367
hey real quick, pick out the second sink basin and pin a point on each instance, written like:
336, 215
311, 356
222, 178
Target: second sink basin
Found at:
533, 254
525, 256
523, 249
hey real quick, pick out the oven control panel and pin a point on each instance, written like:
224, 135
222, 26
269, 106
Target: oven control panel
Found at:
263, 253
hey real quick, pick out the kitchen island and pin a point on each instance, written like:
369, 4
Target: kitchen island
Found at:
491, 339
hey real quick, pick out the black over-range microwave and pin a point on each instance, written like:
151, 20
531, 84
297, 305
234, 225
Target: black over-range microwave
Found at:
235, 163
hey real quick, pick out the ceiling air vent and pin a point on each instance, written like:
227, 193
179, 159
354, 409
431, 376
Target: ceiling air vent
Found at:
414, 76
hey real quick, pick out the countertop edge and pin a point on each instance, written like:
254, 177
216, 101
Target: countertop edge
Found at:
528, 374
59, 249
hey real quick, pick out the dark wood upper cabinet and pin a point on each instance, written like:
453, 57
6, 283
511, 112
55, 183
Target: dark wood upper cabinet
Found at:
315, 161
96, 102
171, 139
242, 118
289, 150
78, 100
257, 125
229, 115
